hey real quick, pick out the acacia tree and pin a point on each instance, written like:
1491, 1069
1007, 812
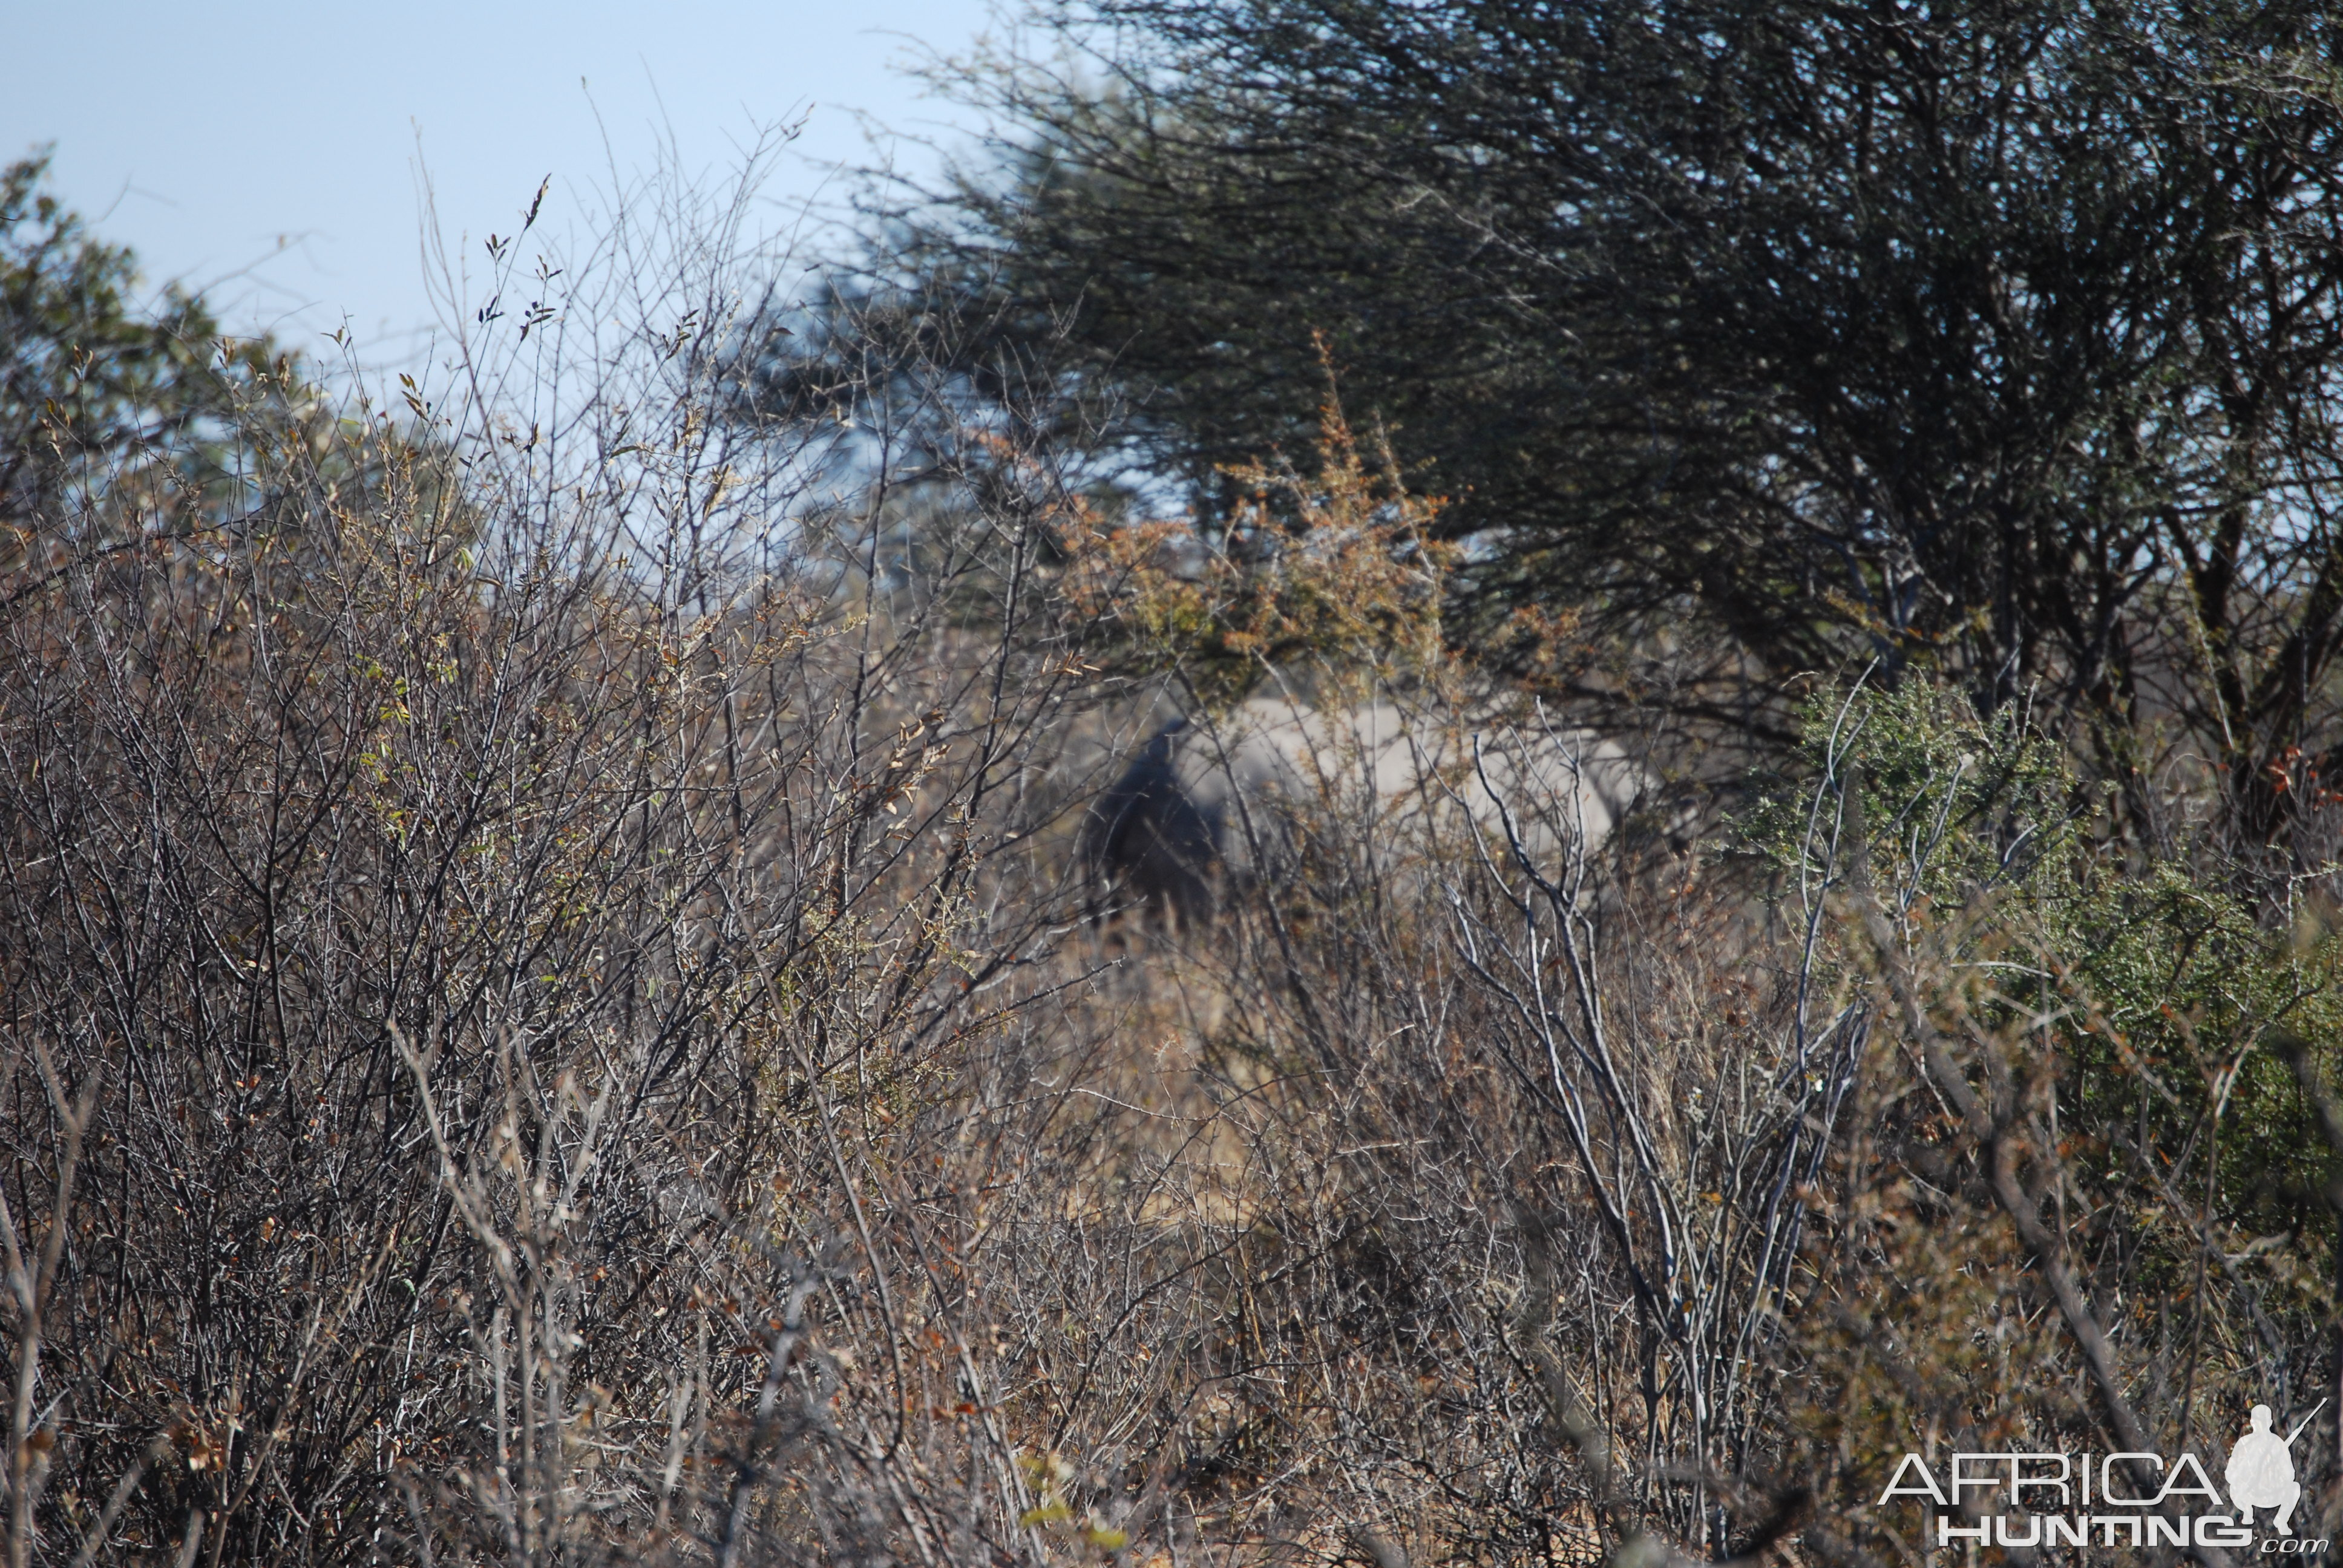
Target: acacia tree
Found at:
1997, 338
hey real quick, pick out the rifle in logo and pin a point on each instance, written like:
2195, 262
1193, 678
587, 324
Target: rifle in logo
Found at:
2261, 1470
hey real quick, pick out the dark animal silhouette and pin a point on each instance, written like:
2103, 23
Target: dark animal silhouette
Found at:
1207, 808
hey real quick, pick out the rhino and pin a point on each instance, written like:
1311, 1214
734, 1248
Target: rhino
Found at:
1212, 808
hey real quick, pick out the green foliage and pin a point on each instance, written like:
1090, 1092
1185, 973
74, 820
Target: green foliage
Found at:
1950, 804
2087, 1103
98, 393
2189, 993
2153, 993
1995, 340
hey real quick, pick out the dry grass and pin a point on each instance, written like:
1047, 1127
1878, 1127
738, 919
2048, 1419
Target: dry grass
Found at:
548, 1021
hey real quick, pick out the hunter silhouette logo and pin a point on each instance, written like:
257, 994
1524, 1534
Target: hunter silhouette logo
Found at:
2018, 1498
2261, 1470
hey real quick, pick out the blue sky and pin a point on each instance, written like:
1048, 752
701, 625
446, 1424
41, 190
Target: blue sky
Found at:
273, 151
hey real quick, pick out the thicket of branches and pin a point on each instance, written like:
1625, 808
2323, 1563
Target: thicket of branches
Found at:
548, 1019
1997, 340
477, 887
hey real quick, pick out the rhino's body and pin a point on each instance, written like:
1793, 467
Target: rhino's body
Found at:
1205, 805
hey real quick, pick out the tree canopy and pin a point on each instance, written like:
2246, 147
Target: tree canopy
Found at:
90, 377
1998, 338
